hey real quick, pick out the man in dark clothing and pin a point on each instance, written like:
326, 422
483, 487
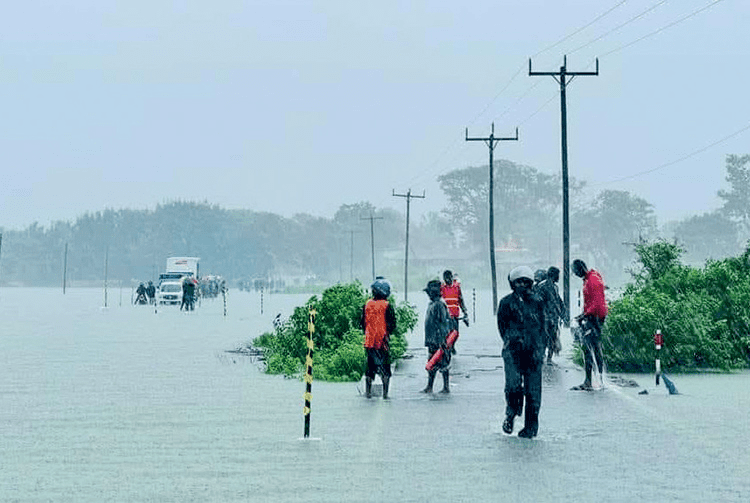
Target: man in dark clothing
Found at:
437, 324
520, 321
554, 311
151, 292
188, 294
378, 323
591, 320
140, 295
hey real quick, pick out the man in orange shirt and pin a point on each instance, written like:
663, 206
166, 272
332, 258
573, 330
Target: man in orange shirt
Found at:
378, 323
451, 293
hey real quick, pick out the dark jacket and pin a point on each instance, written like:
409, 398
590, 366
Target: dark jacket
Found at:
554, 309
521, 323
436, 324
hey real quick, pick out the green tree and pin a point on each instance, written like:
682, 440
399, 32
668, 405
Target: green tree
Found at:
737, 198
607, 228
526, 204
708, 236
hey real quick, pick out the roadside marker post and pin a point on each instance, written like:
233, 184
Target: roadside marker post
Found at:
658, 342
309, 371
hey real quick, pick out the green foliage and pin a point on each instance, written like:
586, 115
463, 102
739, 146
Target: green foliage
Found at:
703, 313
656, 259
338, 339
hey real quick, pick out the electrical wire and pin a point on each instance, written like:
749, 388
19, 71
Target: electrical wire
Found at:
695, 12
579, 30
635, 18
671, 163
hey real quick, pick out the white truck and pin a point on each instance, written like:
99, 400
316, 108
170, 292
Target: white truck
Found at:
169, 290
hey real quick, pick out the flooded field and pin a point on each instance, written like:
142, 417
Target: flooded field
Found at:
125, 404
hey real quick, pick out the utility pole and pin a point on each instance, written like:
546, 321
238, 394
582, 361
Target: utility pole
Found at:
65, 268
351, 254
491, 141
408, 197
372, 239
561, 78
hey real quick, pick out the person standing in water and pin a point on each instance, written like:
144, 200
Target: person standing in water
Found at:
378, 323
520, 321
594, 312
437, 324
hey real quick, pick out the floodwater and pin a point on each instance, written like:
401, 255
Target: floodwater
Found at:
125, 404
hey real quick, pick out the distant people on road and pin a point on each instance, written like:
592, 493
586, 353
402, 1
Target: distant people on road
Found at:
437, 324
520, 321
140, 295
151, 292
591, 320
378, 323
188, 294
450, 290
554, 311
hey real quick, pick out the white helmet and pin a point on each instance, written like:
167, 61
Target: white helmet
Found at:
522, 271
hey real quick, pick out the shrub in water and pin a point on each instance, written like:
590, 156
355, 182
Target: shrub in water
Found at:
704, 314
338, 338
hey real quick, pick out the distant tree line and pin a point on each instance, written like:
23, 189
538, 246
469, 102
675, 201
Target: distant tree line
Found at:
243, 245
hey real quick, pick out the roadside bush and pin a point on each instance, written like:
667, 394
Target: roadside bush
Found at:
339, 354
704, 315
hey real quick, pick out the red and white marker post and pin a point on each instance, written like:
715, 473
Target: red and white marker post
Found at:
658, 342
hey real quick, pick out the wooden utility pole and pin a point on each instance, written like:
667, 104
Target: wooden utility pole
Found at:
491, 141
562, 78
408, 197
372, 239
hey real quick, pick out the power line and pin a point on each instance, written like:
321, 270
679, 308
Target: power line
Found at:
619, 26
695, 12
683, 158
579, 30
453, 144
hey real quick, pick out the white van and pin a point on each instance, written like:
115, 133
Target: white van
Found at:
169, 292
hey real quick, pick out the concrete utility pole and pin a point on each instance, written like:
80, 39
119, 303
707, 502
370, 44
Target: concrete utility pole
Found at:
351, 254
408, 197
65, 268
372, 239
491, 141
561, 78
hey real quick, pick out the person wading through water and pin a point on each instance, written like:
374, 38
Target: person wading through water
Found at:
378, 323
591, 320
520, 321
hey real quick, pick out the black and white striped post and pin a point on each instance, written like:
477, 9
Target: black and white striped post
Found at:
309, 370
474, 304
658, 342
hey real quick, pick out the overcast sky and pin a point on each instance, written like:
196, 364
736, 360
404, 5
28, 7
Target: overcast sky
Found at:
299, 107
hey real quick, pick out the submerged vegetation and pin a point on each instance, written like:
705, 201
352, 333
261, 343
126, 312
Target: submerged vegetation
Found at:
703, 313
339, 352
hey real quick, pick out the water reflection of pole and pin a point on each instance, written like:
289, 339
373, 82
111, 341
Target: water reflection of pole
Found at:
65, 268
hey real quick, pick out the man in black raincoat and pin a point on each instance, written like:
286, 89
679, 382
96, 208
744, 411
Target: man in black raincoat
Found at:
554, 311
437, 325
520, 321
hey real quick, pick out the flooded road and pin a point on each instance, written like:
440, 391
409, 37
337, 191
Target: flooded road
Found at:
124, 404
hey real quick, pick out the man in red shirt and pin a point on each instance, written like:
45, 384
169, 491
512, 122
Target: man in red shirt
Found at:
592, 319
